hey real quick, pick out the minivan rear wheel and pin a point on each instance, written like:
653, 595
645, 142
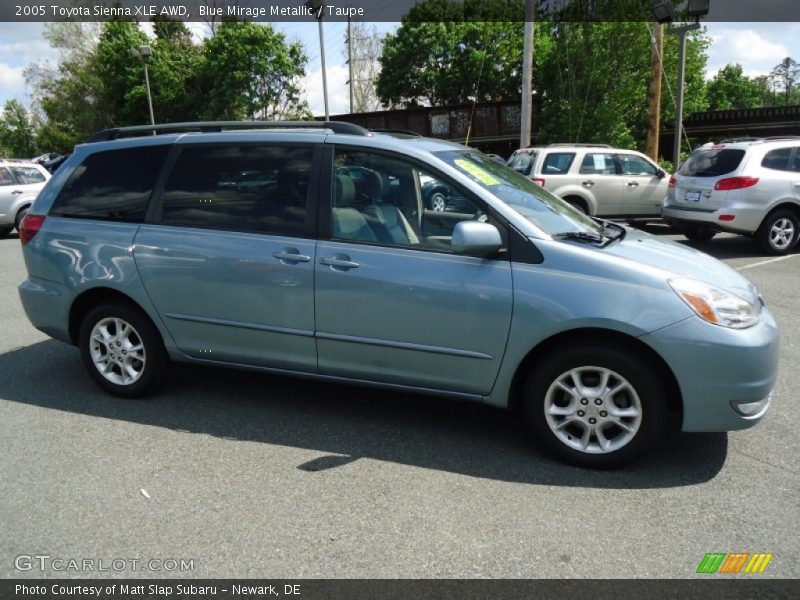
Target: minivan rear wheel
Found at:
779, 232
121, 350
595, 406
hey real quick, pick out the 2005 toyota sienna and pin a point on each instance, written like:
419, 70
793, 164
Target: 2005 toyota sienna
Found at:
307, 249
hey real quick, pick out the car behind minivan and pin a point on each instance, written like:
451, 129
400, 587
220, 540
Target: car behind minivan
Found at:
308, 249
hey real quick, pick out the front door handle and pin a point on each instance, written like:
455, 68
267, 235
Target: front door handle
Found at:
291, 256
588, 183
797, 184
15, 192
633, 184
339, 263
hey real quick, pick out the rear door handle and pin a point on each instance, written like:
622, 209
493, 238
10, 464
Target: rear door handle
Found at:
633, 184
15, 192
291, 256
588, 183
339, 263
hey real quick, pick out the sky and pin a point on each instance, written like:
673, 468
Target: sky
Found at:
756, 46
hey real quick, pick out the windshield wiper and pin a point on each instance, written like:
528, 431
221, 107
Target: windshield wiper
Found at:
581, 236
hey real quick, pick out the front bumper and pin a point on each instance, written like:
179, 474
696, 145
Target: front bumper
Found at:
717, 368
746, 219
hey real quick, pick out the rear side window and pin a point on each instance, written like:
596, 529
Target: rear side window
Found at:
5, 177
777, 159
598, 163
113, 185
28, 175
240, 188
522, 162
557, 163
712, 162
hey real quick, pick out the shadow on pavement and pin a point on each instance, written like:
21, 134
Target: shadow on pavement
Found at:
722, 246
345, 422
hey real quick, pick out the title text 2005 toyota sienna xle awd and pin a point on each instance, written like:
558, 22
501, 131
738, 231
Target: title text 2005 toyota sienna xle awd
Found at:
308, 249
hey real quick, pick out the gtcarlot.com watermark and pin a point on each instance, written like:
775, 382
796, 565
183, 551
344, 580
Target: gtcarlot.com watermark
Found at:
60, 564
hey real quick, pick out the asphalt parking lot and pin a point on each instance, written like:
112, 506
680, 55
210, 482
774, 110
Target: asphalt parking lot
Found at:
250, 475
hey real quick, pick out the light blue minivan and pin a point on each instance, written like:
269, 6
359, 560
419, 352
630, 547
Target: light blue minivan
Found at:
308, 249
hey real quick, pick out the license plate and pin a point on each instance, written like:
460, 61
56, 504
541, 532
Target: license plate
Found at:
693, 196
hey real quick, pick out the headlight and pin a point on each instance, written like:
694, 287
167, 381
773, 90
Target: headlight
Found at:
715, 305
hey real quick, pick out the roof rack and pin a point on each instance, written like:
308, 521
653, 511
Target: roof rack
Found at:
398, 131
217, 126
741, 139
579, 145
777, 138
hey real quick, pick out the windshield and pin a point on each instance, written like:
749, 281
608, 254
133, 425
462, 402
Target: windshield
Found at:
549, 213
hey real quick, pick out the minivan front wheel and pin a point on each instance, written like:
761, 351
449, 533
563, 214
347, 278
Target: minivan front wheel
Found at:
595, 406
121, 350
779, 232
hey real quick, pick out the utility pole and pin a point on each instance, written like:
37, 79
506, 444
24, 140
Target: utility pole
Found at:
654, 92
527, 76
681, 32
318, 7
350, 60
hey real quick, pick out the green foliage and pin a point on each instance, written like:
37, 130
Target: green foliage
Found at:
786, 77
245, 71
249, 71
437, 63
731, 89
17, 137
593, 81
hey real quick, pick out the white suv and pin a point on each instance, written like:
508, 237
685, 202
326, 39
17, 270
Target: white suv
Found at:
595, 178
20, 183
751, 187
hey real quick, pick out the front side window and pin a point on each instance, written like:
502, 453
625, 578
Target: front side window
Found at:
113, 185
557, 163
385, 200
5, 177
549, 213
635, 165
240, 188
598, 163
29, 175
777, 159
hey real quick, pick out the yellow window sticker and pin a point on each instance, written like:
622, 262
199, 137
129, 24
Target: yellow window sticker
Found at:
477, 172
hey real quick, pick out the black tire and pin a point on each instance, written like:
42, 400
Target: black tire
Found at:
155, 356
4, 231
622, 362
578, 204
764, 235
699, 235
20, 215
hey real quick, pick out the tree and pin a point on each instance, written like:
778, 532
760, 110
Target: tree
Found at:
786, 76
250, 71
731, 89
438, 63
366, 49
592, 79
17, 137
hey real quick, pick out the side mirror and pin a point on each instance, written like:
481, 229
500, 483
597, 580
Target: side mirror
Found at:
661, 173
475, 238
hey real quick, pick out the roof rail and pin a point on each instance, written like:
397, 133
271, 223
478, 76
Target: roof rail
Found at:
217, 126
398, 131
741, 139
579, 145
777, 138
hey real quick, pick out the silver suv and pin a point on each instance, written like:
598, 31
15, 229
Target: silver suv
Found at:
751, 187
20, 183
596, 178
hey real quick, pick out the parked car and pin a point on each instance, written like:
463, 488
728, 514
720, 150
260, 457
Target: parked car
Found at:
748, 187
596, 179
438, 196
20, 183
599, 336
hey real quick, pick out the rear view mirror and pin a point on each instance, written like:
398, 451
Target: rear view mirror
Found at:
475, 238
